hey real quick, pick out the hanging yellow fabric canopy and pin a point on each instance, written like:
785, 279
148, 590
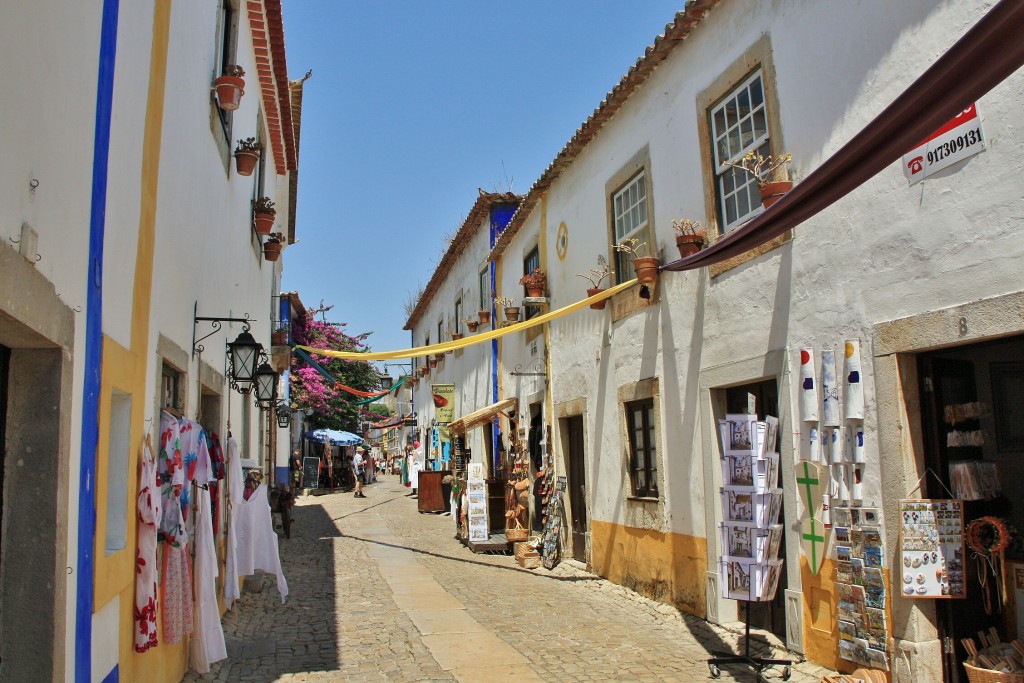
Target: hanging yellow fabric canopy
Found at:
476, 338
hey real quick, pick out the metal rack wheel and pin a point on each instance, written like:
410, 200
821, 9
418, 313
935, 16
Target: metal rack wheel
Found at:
714, 671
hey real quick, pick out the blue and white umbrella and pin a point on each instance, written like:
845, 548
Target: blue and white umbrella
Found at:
337, 437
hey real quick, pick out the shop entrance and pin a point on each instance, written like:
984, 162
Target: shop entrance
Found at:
577, 487
763, 397
972, 424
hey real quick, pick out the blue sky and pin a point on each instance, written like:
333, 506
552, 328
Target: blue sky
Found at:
412, 106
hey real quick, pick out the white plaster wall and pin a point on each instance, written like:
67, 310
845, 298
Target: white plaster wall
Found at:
206, 251
124, 180
469, 369
883, 252
204, 248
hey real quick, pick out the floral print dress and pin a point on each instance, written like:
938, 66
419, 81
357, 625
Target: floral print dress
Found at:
145, 559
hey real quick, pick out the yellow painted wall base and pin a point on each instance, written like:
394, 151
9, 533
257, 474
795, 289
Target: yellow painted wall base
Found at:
821, 605
663, 566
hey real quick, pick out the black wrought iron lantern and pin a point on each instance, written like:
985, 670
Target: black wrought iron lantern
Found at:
266, 386
245, 354
284, 415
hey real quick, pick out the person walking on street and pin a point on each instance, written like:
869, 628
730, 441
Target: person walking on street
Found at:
358, 468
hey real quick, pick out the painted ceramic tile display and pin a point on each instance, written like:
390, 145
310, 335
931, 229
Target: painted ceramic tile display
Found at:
751, 502
932, 549
860, 586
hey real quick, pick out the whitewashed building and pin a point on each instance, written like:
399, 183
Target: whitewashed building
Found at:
123, 220
924, 276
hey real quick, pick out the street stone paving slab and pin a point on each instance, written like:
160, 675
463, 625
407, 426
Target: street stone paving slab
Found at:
380, 592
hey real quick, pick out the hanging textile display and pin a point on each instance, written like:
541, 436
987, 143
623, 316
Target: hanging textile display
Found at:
253, 545
175, 594
208, 639
146, 554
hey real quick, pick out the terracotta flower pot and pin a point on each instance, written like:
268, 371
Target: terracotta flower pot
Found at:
772, 192
264, 223
512, 314
484, 315
471, 325
646, 268
456, 336
423, 371
689, 245
599, 306
245, 162
271, 250
279, 338
433, 362
535, 291
229, 91
414, 381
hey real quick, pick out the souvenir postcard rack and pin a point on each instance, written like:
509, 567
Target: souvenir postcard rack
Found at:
749, 568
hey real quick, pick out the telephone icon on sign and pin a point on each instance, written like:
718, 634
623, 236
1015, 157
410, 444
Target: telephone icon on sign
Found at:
916, 165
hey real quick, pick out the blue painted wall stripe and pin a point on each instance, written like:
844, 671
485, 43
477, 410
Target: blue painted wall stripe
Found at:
501, 214
94, 347
113, 677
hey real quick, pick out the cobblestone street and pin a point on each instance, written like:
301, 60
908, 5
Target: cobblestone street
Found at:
382, 592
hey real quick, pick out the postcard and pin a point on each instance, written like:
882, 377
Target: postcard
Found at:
856, 543
844, 572
847, 630
870, 517
843, 553
873, 577
876, 618
841, 517
872, 556
874, 597
842, 534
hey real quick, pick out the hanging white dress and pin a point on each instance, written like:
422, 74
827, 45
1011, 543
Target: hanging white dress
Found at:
208, 634
255, 543
145, 558
236, 488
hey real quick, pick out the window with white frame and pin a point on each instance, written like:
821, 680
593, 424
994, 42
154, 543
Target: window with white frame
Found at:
629, 213
739, 124
530, 264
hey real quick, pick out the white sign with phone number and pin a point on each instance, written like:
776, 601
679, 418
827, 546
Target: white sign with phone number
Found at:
958, 139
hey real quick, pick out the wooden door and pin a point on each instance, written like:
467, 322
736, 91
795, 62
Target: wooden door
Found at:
577, 485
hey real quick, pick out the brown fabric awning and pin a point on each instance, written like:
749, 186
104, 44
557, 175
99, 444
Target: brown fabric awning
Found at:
482, 415
983, 57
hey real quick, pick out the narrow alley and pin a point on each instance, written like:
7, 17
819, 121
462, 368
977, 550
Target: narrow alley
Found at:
381, 592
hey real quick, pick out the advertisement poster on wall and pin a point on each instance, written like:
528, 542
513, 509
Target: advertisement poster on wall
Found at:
444, 402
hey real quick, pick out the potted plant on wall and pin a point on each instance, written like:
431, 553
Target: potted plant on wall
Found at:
534, 283
247, 153
230, 87
484, 315
272, 247
646, 267
691, 236
279, 337
509, 306
771, 172
471, 325
263, 214
596, 276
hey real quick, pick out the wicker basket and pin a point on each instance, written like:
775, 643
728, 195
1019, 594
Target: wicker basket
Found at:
523, 548
529, 561
976, 675
517, 534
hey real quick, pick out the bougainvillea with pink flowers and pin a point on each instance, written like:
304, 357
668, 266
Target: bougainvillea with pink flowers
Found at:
310, 390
